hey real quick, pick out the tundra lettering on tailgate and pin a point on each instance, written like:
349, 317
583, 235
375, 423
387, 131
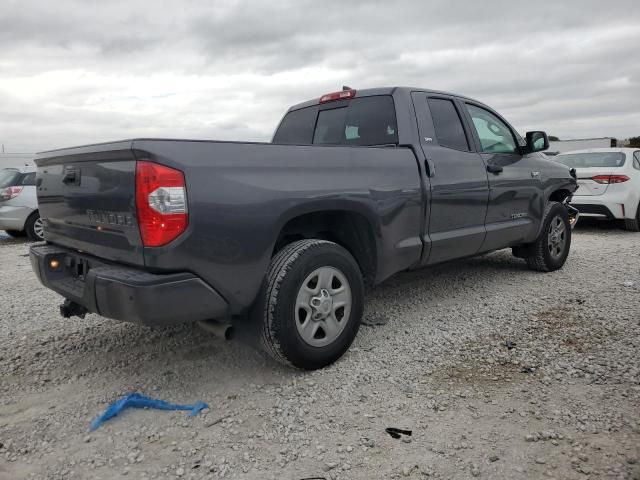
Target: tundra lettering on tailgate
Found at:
109, 218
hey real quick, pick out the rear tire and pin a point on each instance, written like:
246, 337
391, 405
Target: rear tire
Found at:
551, 248
34, 228
311, 304
16, 233
633, 224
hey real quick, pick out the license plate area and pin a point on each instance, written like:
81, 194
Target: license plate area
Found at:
77, 267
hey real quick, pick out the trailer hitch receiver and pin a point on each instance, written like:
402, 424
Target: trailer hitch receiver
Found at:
72, 309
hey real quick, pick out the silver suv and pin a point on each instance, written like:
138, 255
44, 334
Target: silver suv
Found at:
18, 203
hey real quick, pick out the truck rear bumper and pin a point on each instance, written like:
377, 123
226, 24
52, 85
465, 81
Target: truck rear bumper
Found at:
126, 293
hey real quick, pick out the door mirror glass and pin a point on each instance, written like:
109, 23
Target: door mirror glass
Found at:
537, 141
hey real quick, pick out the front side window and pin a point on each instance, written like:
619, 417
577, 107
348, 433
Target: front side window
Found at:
447, 124
362, 121
495, 136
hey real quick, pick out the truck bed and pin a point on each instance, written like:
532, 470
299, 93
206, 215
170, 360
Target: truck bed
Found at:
239, 194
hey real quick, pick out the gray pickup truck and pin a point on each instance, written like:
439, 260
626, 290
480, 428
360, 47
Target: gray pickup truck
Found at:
354, 187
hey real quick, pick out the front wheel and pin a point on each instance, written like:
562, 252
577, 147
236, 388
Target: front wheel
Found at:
311, 305
551, 248
34, 227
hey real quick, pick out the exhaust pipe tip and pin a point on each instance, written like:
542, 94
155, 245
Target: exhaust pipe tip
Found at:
219, 329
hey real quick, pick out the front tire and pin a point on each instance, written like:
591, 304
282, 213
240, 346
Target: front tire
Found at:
550, 250
311, 305
34, 227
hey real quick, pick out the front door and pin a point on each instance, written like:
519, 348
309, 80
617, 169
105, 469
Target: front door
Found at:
458, 180
515, 191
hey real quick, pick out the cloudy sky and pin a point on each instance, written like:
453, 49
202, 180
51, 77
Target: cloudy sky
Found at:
76, 72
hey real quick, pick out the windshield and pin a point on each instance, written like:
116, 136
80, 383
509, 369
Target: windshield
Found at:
8, 177
592, 159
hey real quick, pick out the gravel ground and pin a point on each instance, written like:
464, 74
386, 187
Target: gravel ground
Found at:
501, 373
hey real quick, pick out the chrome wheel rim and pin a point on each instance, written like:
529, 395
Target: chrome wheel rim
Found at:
38, 228
557, 237
323, 306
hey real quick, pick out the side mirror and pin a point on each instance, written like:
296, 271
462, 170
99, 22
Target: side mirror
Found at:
537, 141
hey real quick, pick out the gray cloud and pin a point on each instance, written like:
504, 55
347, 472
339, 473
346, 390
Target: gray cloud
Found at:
79, 72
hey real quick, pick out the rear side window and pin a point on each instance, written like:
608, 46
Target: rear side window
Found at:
361, 121
592, 159
9, 177
447, 124
636, 160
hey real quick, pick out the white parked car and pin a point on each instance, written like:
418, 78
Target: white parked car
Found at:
609, 183
18, 203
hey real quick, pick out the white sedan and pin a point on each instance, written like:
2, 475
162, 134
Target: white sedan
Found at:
18, 203
609, 183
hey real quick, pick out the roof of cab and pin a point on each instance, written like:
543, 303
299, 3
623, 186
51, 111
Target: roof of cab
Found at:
369, 92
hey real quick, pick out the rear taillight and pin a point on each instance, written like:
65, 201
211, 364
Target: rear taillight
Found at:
9, 193
161, 203
606, 179
331, 97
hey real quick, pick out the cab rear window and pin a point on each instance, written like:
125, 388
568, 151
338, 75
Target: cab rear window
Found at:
362, 121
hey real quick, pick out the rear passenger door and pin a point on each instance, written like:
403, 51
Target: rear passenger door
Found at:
458, 180
516, 195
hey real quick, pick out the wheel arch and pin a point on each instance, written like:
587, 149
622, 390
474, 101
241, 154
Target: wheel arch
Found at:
349, 226
559, 195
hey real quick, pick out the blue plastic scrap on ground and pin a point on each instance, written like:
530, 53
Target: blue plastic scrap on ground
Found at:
137, 400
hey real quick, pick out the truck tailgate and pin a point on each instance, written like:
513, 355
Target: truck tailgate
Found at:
86, 199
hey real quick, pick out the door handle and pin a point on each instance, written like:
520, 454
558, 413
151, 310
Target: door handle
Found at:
494, 168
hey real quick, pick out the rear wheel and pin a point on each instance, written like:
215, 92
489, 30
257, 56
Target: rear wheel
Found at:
311, 305
551, 248
34, 227
15, 233
633, 224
